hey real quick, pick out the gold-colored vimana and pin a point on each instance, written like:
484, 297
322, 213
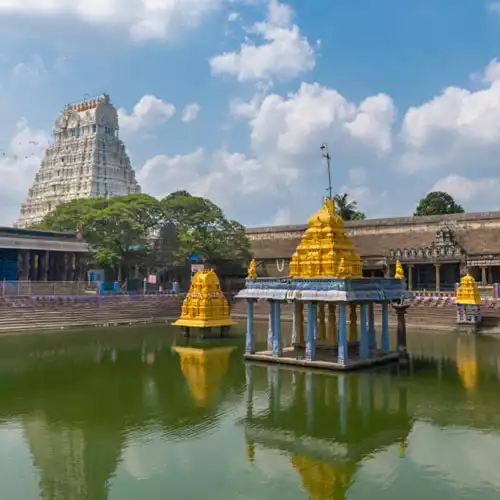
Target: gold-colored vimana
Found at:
325, 250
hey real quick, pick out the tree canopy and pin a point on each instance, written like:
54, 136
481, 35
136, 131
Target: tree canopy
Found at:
347, 209
125, 231
438, 203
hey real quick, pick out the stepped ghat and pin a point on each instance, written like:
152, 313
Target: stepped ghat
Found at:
326, 277
86, 159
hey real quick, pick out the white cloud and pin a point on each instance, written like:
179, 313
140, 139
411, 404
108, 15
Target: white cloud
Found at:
145, 19
226, 178
370, 201
233, 16
459, 128
31, 70
149, 112
284, 54
190, 112
18, 166
357, 175
292, 125
283, 217
494, 7
465, 190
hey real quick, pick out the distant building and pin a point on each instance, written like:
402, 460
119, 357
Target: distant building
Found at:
87, 159
434, 251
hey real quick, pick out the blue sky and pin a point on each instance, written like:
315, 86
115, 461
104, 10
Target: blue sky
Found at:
407, 95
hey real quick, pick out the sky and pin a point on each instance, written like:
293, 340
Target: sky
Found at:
232, 99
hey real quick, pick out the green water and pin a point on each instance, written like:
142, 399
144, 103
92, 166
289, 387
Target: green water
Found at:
115, 414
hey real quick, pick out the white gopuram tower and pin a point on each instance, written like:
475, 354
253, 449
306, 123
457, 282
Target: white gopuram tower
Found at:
87, 159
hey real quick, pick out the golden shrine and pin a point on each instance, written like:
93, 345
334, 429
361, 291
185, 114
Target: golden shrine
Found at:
400, 274
468, 302
203, 369
325, 250
468, 292
326, 276
205, 305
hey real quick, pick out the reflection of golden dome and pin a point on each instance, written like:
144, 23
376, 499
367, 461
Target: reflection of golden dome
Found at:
205, 304
324, 246
467, 364
324, 481
467, 292
203, 370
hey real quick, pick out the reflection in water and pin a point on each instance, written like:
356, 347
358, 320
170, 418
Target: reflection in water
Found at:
328, 425
467, 362
203, 370
125, 416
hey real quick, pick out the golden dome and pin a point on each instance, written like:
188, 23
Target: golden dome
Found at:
205, 304
467, 292
324, 246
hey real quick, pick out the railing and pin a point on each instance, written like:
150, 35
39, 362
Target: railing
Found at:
15, 288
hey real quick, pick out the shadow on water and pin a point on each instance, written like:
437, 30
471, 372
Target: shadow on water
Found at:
83, 400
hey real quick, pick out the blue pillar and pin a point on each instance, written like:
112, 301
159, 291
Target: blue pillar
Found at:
294, 322
250, 341
385, 328
363, 343
371, 326
343, 354
277, 341
311, 331
270, 325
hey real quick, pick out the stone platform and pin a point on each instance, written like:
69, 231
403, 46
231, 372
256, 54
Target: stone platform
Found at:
326, 359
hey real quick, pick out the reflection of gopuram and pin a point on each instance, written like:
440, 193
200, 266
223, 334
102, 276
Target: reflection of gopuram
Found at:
73, 463
205, 306
365, 414
203, 370
326, 276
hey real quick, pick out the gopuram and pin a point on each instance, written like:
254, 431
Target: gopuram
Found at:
326, 277
205, 306
87, 159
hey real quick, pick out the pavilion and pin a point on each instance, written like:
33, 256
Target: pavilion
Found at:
326, 276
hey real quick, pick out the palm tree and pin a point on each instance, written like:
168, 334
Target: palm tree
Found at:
348, 210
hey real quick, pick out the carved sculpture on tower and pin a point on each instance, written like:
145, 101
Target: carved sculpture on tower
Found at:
87, 159
205, 305
325, 250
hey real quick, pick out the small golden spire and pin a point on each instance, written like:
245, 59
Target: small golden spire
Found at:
252, 270
400, 274
205, 305
467, 292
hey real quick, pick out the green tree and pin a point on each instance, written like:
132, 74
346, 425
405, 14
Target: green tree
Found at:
198, 227
121, 230
139, 230
347, 209
438, 203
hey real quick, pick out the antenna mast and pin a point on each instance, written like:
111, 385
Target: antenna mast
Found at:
326, 154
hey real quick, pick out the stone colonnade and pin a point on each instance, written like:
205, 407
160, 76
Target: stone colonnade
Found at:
326, 326
47, 265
